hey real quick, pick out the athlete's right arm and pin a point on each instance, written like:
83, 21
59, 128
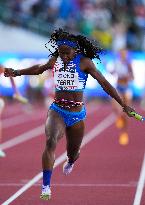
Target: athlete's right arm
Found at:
33, 70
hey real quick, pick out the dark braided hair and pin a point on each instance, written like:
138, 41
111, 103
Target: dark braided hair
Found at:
85, 46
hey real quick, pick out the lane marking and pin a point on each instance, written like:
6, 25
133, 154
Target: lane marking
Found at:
108, 121
9, 119
18, 120
23, 137
30, 134
140, 186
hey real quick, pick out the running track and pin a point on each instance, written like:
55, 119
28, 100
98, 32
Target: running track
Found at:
106, 173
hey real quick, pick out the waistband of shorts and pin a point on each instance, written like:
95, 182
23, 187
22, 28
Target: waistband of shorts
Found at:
64, 110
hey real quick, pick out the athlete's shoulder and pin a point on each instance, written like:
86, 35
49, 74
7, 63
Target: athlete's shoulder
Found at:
85, 59
85, 63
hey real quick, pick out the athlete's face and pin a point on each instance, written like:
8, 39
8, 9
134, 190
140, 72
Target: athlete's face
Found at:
66, 53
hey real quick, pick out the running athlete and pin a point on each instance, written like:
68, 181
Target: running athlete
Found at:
16, 96
71, 63
122, 69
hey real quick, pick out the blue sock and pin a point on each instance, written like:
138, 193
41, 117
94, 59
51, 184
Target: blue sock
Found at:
47, 177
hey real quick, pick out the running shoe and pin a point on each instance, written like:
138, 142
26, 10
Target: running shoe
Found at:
67, 167
2, 153
46, 193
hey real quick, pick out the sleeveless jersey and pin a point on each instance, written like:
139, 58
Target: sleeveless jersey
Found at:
121, 69
70, 78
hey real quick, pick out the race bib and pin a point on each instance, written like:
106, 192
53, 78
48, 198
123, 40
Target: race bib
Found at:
66, 80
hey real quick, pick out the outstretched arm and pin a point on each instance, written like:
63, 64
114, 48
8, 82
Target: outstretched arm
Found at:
88, 66
33, 70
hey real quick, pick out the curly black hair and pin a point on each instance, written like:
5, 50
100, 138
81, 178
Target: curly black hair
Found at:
87, 47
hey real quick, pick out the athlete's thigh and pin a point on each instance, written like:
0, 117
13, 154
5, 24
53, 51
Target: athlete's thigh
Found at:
74, 135
55, 126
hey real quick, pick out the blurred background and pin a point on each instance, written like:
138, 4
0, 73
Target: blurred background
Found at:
26, 25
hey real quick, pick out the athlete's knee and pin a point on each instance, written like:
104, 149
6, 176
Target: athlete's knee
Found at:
51, 143
51, 140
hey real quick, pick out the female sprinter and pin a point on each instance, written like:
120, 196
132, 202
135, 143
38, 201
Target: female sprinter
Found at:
123, 71
71, 63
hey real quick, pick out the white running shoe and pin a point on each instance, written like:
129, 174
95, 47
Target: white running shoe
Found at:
46, 193
67, 168
2, 153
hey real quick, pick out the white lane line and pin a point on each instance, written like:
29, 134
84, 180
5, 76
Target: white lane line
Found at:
140, 186
98, 129
71, 185
19, 119
29, 135
87, 138
9, 119
23, 137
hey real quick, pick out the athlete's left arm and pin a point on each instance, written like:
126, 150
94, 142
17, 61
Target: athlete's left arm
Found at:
89, 67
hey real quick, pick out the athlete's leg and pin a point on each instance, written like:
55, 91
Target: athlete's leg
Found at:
74, 136
127, 98
54, 130
124, 138
121, 120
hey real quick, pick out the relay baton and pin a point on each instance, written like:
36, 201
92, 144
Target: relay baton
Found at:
137, 116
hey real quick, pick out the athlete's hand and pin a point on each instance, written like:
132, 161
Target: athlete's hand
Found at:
9, 72
127, 109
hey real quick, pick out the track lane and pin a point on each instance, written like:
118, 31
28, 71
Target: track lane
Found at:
106, 173
102, 188
22, 155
